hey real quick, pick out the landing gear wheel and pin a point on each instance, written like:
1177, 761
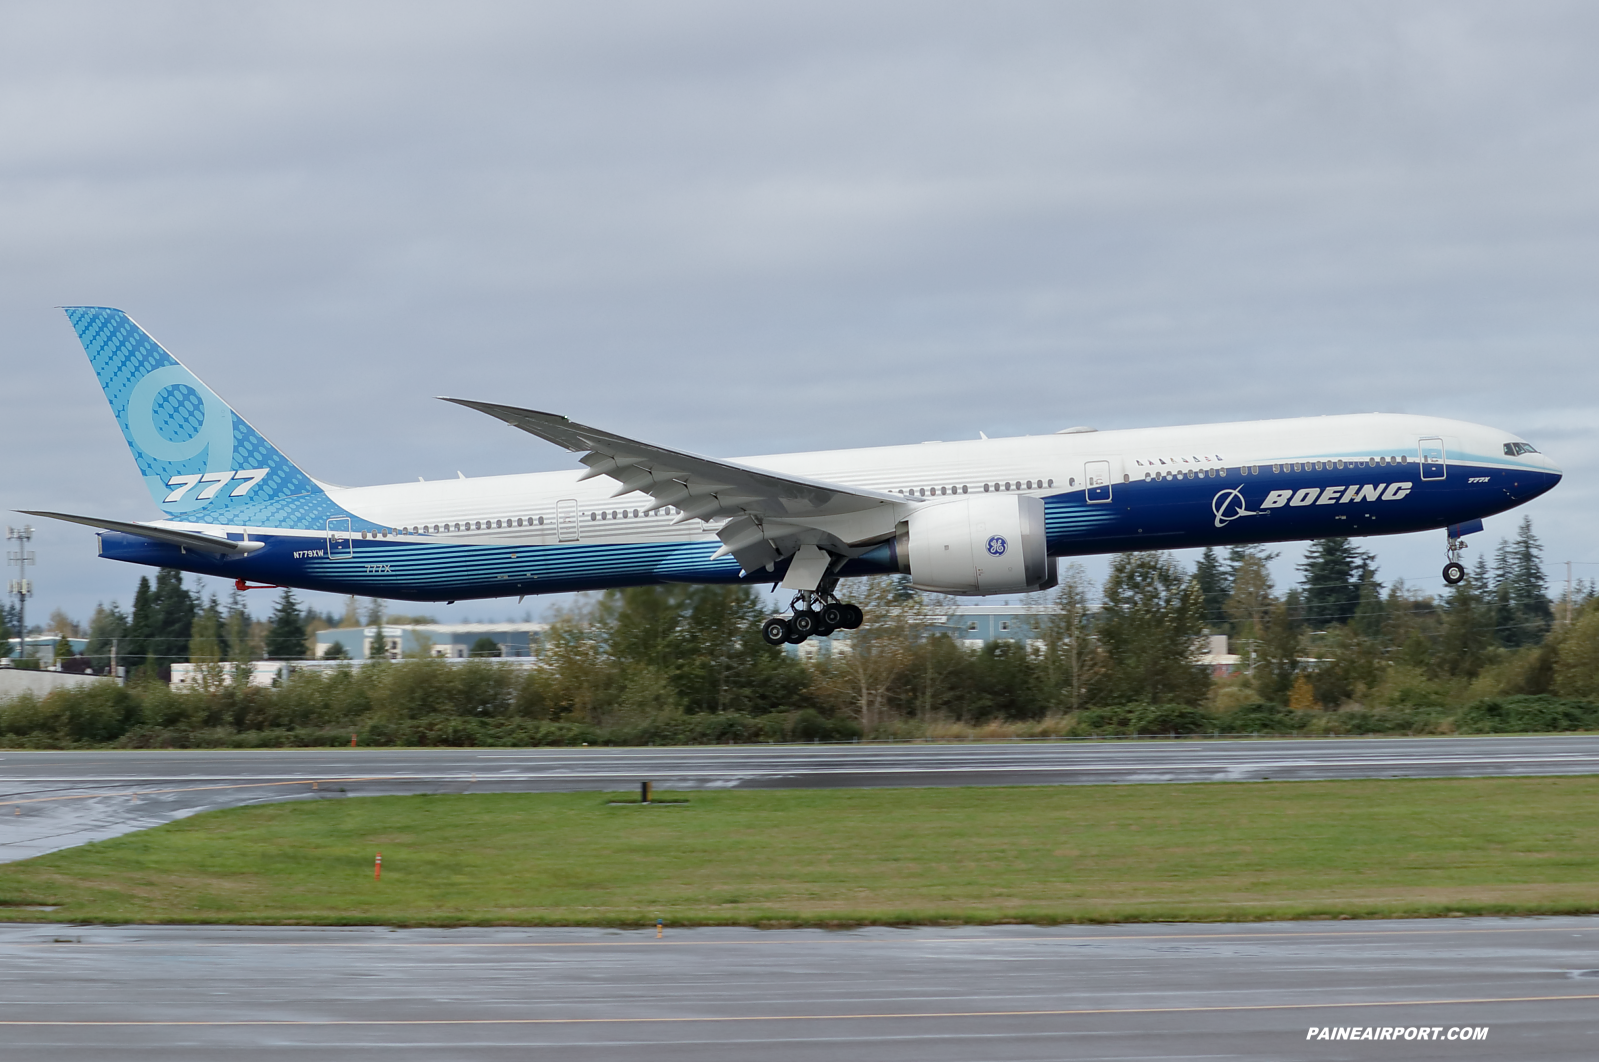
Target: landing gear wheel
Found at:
854, 618
805, 623
794, 636
1454, 573
775, 631
833, 615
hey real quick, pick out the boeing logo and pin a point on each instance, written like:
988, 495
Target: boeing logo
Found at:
1229, 505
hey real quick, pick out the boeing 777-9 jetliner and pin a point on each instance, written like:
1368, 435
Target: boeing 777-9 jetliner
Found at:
985, 516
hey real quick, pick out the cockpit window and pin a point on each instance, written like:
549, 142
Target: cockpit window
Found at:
1516, 449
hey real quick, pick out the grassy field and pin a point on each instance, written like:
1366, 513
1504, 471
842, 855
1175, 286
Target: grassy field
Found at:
848, 857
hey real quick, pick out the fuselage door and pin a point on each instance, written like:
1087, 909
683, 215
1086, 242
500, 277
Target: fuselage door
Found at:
566, 521
1096, 477
340, 542
1431, 452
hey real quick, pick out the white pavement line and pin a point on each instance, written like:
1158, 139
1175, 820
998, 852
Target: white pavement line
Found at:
728, 1018
192, 789
680, 769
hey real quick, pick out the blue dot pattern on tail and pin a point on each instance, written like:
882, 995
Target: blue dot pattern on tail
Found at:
200, 460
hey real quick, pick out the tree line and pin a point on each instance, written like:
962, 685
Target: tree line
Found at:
1340, 650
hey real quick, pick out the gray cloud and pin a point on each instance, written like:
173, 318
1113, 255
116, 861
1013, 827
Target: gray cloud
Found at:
744, 228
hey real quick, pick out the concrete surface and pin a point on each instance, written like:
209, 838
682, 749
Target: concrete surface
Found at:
929, 995
52, 800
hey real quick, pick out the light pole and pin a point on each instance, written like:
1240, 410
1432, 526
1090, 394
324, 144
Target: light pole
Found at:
22, 587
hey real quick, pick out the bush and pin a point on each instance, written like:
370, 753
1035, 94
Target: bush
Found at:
1145, 719
1537, 712
1260, 717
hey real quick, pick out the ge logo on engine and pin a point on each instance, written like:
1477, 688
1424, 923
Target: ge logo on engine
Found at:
996, 545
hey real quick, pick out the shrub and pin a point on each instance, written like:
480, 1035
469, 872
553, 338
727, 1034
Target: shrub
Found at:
1146, 719
1260, 717
1536, 712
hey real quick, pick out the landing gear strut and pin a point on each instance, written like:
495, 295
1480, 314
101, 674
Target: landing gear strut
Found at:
814, 614
1454, 571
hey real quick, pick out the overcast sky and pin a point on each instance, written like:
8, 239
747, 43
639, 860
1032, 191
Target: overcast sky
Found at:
743, 228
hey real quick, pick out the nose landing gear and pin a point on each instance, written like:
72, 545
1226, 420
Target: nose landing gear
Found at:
1454, 571
815, 614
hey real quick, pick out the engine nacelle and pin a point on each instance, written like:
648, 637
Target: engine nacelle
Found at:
974, 546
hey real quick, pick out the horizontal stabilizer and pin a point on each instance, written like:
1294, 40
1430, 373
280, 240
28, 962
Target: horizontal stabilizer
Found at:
186, 539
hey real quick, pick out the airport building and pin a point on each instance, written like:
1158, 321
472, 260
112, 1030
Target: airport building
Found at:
448, 641
42, 647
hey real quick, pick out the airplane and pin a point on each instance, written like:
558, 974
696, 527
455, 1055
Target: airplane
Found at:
976, 517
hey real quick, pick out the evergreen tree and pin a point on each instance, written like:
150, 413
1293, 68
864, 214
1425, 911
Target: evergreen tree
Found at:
379, 648
1333, 573
5, 633
1370, 613
286, 639
171, 610
140, 627
108, 632
336, 651
1151, 616
1523, 611
1215, 586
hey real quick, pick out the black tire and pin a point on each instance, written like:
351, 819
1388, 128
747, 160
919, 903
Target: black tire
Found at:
795, 637
823, 631
832, 616
775, 631
1454, 573
855, 618
804, 623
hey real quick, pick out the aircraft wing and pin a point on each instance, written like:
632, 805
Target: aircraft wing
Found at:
770, 514
187, 539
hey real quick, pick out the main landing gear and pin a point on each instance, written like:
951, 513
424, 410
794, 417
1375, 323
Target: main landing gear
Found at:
814, 615
1454, 571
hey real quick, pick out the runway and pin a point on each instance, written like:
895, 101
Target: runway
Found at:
52, 800
928, 994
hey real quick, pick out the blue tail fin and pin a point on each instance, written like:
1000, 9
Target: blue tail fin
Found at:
200, 460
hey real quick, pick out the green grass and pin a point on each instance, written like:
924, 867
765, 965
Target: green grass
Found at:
848, 857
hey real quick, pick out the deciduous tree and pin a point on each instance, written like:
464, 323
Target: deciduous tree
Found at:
1152, 615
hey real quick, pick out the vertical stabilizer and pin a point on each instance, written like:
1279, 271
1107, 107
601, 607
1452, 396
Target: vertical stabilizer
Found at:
200, 460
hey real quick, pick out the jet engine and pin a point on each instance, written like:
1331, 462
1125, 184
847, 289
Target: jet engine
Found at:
982, 545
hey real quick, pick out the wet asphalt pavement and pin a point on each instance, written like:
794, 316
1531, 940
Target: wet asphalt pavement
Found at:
885, 995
